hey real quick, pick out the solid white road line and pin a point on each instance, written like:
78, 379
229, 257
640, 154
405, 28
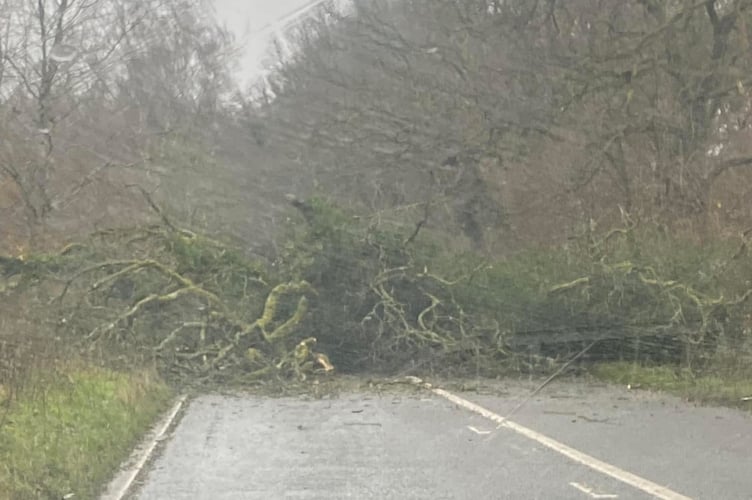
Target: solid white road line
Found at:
124, 481
633, 480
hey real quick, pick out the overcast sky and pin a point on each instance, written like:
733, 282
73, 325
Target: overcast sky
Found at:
248, 20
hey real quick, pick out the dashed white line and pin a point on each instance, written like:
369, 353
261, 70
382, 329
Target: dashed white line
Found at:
605, 468
590, 492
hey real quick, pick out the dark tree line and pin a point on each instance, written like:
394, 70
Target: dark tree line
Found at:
525, 118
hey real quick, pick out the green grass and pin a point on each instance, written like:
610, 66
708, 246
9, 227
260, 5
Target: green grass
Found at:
68, 433
727, 390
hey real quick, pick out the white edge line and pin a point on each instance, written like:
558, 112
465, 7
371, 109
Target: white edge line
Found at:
633, 480
145, 453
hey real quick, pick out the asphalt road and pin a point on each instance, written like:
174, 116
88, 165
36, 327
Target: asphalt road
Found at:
573, 441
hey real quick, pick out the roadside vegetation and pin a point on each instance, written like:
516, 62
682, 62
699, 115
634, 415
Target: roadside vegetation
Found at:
732, 389
68, 428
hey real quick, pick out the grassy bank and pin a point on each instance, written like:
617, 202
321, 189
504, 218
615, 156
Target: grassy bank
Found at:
69, 430
723, 389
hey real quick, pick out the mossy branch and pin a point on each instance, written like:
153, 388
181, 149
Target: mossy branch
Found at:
569, 285
285, 329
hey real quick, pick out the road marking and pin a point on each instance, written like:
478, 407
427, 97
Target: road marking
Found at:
633, 480
590, 492
124, 481
478, 431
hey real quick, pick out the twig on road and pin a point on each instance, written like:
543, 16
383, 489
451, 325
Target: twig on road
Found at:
546, 382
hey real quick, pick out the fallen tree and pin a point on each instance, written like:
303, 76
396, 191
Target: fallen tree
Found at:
365, 295
195, 305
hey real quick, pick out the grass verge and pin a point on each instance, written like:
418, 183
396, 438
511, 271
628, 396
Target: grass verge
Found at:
728, 390
69, 430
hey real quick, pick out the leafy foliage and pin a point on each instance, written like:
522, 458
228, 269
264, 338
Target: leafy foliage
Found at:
641, 294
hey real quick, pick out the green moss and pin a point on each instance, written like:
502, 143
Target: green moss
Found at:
71, 432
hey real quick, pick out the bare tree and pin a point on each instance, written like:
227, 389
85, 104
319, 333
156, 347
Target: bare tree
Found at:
89, 88
659, 96
397, 99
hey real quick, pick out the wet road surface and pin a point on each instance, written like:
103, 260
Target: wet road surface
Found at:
422, 446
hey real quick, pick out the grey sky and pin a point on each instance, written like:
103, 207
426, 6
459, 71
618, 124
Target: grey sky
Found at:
249, 20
